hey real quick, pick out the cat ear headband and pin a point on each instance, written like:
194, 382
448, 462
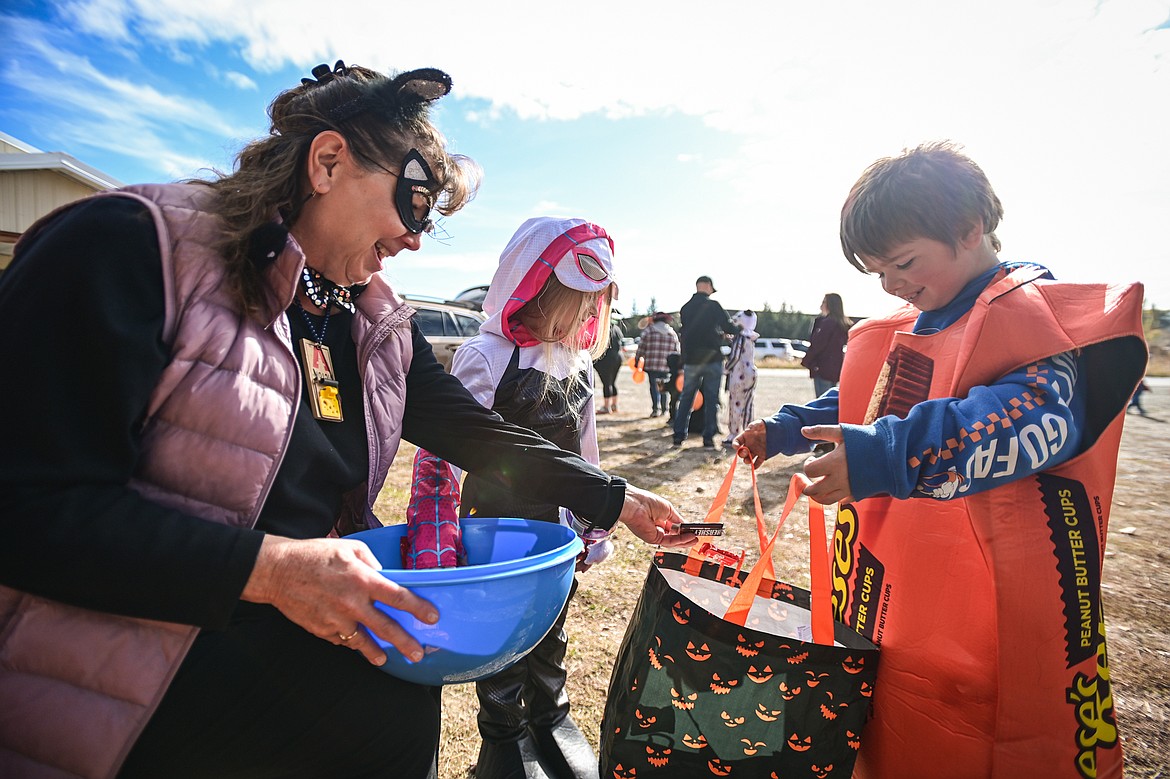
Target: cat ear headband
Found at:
402, 96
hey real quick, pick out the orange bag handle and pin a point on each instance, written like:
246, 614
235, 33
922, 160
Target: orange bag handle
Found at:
820, 588
715, 513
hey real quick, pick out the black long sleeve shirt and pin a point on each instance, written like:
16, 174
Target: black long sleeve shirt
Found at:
82, 311
703, 325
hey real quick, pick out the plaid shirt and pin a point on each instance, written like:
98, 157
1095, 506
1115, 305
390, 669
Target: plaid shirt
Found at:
657, 341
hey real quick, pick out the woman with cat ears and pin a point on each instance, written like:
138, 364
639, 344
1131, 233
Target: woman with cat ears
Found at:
253, 374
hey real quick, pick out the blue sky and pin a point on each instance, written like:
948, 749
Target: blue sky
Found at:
707, 138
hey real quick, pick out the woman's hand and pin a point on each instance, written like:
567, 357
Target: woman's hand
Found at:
653, 519
328, 586
830, 472
752, 444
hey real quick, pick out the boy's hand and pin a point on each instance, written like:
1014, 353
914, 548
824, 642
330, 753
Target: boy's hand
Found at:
752, 444
830, 473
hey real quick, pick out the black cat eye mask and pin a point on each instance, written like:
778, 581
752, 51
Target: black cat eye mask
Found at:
415, 193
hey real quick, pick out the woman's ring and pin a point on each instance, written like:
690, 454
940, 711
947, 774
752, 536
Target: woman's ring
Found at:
347, 638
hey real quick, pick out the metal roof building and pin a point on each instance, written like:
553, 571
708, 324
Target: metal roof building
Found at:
34, 182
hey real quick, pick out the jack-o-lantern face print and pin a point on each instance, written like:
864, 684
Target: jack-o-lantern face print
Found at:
866, 689
657, 659
822, 772
646, 720
751, 748
852, 739
746, 647
694, 742
799, 743
683, 701
700, 653
759, 675
718, 767
657, 756
730, 721
721, 686
777, 611
853, 666
766, 714
620, 772
829, 709
788, 693
681, 615
815, 678
798, 658
783, 591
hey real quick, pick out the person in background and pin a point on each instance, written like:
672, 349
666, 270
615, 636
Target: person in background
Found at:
608, 365
657, 340
826, 350
705, 328
231, 377
977, 430
740, 369
1136, 400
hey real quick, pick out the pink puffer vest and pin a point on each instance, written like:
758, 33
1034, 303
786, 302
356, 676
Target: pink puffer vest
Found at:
78, 686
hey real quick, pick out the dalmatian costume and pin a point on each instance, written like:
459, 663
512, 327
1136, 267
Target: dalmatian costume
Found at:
740, 369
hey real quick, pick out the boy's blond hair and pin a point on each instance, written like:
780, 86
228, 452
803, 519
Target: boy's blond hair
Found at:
931, 191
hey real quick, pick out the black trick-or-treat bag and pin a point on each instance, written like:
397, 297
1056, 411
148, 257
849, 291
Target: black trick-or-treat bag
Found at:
723, 673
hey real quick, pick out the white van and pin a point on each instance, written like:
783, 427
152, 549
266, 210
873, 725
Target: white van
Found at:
778, 348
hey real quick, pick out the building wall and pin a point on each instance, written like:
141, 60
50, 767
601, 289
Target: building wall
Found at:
33, 183
27, 195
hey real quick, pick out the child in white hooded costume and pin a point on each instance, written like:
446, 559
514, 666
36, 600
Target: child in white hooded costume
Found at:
740, 369
531, 363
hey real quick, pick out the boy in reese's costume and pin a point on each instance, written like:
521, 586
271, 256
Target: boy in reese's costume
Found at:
976, 434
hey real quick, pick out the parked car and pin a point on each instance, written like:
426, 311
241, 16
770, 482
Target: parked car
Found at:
473, 295
778, 348
446, 324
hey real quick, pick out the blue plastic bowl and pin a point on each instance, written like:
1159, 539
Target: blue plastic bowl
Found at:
492, 611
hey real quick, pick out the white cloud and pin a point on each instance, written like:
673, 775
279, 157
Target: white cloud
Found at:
40, 64
239, 81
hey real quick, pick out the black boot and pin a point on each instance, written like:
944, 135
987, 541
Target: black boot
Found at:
506, 751
511, 760
524, 717
563, 748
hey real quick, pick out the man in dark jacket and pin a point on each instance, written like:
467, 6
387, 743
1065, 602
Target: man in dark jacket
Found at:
704, 325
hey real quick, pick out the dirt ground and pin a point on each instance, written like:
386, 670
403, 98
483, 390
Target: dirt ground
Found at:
1136, 578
